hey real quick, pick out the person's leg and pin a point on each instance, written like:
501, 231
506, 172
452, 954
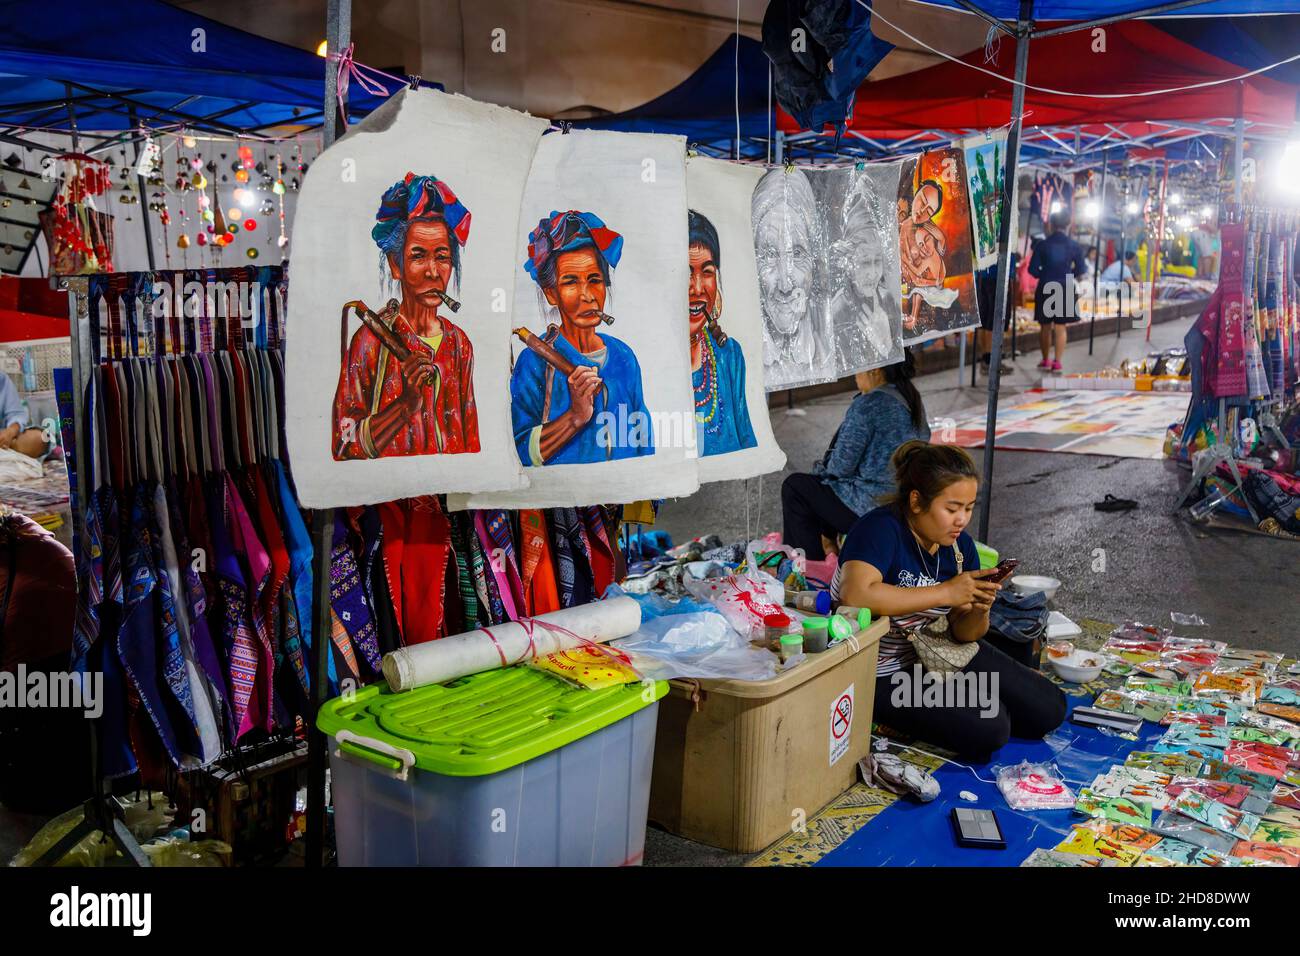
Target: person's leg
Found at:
1045, 340
942, 713
1032, 703
809, 509
1059, 330
31, 442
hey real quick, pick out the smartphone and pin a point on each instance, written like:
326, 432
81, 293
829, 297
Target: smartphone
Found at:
1003, 570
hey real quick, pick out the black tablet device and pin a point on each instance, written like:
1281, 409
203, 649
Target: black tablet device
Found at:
977, 828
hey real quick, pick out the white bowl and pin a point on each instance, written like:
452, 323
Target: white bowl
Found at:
1080, 667
1029, 583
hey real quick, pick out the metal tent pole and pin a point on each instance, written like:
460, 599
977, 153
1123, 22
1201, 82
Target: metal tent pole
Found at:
1159, 249
1096, 266
338, 29
1005, 240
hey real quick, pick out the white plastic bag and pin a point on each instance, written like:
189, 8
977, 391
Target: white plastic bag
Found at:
1034, 786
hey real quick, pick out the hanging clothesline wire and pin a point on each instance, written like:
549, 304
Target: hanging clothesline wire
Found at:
1095, 96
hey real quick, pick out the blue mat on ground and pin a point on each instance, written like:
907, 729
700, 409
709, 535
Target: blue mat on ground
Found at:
908, 833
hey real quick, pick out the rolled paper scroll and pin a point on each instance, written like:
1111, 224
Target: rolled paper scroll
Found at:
487, 648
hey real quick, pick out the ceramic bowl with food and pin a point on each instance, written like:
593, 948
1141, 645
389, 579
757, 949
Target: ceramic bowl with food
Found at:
1080, 667
1030, 583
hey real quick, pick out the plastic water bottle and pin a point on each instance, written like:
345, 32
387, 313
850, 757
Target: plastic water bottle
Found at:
29, 371
1207, 505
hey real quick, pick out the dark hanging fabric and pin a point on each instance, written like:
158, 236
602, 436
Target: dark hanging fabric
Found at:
465, 580
573, 575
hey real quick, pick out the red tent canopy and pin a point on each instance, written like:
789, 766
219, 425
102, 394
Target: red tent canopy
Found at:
1138, 57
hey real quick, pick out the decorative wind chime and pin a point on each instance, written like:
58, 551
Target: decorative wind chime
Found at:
82, 237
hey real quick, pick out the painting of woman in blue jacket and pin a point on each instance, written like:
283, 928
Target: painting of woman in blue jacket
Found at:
598, 412
717, 362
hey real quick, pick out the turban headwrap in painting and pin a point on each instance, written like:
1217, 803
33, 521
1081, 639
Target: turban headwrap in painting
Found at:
567, 231
417, 197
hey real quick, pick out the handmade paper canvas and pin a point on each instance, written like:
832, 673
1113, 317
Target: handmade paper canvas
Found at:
725, 327
985, 156
399, 313
862, 268
600, 378
790, 244
934, 243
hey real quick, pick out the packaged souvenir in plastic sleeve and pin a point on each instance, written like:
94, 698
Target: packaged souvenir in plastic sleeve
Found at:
1229, 794
1266, 853
1134, 652
1259, 758
1114, 809
1186, 620
1214, 814
1139, 838
1219, 769
1087, 842
1254, 657
1136, 631
1176, 763
1189, 663
1276, 813
1163, 688
1281, 711
1206, 707
1257, 735
1215, 858
1287, 795
1270, 831
1281, 694
1195, 644
1200, 753
1176, 852
1173, 824
1203, 720
1033, 786
1146, 859
1196, 734
1056, 858
1147, 706
1224, 687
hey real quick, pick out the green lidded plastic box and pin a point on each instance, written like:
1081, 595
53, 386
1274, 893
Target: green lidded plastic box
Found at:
437, 775
988, 556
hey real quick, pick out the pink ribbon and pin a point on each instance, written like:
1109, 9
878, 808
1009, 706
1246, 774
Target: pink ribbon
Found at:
529, 624
349, 69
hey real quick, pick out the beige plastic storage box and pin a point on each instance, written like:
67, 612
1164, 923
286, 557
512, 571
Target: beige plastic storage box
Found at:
736, 760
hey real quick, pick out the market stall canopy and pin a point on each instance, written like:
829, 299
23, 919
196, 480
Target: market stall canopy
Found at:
171, 65
1084, 10
703, 107
1138, 58
1249, 42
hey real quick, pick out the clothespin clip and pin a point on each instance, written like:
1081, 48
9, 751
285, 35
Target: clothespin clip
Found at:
692, 149
789, 165
414, 79
859, 165
565, 126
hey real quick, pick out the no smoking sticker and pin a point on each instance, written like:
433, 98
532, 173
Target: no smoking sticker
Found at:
841, 724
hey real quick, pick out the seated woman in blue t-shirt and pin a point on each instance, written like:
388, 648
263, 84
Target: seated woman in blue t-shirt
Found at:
913, 560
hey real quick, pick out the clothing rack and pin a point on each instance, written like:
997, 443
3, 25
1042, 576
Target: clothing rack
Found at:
142, 327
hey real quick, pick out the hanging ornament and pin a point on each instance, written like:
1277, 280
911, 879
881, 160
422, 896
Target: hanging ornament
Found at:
278, 188
239, 195
250, 224
234, 214
4, 204
211, 230
182, 241
241, 176
293, 184
188, 141
252, 252
25, 185
212, 165
203, 240
246, 156
268, 207
208, 217
199, 181
231, 228
196, 163
282, 241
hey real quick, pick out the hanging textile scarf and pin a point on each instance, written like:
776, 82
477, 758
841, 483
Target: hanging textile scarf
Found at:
602, 554
298, 541
469, 601
494, 534
416, 548
537, 569
349, 616
491, 611
1228, 377
572, 558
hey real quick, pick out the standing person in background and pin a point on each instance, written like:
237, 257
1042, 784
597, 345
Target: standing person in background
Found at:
1057, 263
817, 508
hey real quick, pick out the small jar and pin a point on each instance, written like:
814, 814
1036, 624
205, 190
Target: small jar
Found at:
816, 634
791, 646
769, 633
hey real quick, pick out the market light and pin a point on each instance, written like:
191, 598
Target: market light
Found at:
1055, 207
1175, 199
1207, 212
322, 48
1288, 170
1091, 210
1131, 208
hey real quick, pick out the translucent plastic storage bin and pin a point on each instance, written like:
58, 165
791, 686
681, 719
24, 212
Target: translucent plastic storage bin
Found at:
507, 768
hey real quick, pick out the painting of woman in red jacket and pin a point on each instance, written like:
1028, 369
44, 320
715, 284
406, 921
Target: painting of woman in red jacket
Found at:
424, 404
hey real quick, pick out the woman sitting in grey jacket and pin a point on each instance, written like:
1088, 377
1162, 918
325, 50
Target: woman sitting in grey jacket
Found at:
817, 508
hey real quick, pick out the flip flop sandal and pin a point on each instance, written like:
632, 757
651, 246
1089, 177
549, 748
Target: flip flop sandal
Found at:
1111, 503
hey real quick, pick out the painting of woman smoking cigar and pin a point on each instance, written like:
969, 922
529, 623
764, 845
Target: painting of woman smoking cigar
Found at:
934, 245
407, 382
575, 390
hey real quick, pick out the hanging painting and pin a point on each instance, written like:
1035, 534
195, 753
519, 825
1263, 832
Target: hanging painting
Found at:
862, 269
790, 244
733, 435
985, 155
399, 317
599, 387
934, 242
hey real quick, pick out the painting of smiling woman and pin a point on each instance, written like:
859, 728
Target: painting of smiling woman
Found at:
717, 361
411, 393
595, 411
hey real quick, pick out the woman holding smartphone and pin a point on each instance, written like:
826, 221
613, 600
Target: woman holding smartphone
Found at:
913, 560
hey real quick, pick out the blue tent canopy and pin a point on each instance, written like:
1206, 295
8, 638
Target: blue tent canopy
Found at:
1096, 9
169, 64
703, 106
1249, 43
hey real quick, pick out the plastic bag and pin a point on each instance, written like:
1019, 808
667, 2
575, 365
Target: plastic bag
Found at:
698, 645
1188, 620
744, 598
1034, 786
